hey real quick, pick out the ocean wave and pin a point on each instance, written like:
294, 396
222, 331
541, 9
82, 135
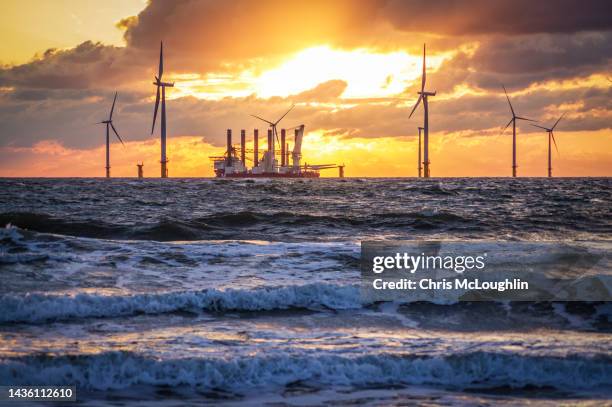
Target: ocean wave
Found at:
45, 223
225, 225
477, 369
41, 308
297, 209
45, 307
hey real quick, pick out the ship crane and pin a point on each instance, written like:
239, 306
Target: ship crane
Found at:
296, 154
234, 165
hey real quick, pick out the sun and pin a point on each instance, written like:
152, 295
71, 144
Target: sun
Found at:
367, 73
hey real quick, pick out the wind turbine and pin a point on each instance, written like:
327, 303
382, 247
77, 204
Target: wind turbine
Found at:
513, 121
423, 95
551, 135
158, 82
109, 124
273, 124
419, 162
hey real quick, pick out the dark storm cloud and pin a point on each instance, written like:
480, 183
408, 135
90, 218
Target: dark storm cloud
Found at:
474, 17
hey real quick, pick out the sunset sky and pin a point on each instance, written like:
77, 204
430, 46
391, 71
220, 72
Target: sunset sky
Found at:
351, 67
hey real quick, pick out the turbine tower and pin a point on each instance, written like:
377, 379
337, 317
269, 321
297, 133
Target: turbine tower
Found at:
513, 122
551, 135
158, 82
109, 124
423, 95
273, 124
420, 166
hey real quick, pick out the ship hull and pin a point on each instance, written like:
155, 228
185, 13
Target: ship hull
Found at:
304, 174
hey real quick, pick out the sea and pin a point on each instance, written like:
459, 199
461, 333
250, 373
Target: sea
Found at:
174, 292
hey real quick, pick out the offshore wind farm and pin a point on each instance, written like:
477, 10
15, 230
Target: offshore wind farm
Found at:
355, 101
233, 163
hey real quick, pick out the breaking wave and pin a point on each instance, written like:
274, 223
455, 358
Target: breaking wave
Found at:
44, 307
477, 369
41, 308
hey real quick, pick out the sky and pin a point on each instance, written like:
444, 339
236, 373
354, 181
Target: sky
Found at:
352, 68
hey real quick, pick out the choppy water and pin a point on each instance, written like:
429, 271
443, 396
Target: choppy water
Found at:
209, 291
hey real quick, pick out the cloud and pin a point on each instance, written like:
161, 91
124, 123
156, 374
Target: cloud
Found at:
203, 34
88, 65
72, 120
476, 17
324, 92
60, 94
522, 62
230, 37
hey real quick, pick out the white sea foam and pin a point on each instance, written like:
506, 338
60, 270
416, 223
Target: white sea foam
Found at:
115, 370
41, 307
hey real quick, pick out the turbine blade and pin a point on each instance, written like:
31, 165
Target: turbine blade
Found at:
117, 134
292, 106
555, 142
155, 111
524, 118
161, 60
558, 120
511, 108
424, 76
416, 105
541, 127
504, 129
113, 107
262, 119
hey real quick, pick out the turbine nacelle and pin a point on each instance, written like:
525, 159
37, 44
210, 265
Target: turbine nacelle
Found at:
514, 116
158, 82
422, 93
109, 122
550, 131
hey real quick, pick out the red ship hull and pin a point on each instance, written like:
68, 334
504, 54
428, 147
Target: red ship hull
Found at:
303, 174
